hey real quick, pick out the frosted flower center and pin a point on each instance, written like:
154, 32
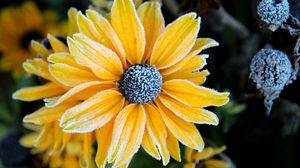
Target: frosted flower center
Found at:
141, 83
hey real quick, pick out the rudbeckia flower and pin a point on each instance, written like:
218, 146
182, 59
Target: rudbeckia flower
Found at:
60, 149
148, 78
133, 82
205, 158
18, 26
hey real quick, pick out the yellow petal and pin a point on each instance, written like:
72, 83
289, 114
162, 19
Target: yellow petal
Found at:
40, 49
28, 140
205, 154
218, 150
104, 27
66, 139
38, 67
176, 41
127, 134
57, 146
125, 165
71, 161
189, 114
192, 95
157, 131
69, 75
215, 163
205, 43
189, 165
188, 154
93, 113
173, 147
137, 2
74, 147
104, 137
176, 67
153, 22
197, 77
57, 45
44, 139
101, 60
129, 28
184, 131
149, 146
185, 67
87, 28
81, 88
72, 25
194, 64
38, 92
201, 44
65, 58
87, 151
46, 115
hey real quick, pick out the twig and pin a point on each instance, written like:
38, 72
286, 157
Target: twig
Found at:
228, 20
173, 7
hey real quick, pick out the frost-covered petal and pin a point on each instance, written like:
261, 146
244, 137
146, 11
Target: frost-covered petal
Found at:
190, 114
129, 28
194, 95
69, 75
157, 131
153, 22
93, 113
104, 63
104, 137
39, 92
79, 91
127, 134
149, 146
184, 131
175, 42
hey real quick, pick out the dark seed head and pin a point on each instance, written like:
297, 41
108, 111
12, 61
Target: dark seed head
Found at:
26, 39
141, 83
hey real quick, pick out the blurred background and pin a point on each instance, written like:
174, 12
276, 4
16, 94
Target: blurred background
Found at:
253, 139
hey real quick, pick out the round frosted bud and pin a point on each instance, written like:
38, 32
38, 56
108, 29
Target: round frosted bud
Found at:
273, 12
270, 69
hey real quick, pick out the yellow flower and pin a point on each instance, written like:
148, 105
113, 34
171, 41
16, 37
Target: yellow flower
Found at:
60, 149
194, 158
18, 26
133, 82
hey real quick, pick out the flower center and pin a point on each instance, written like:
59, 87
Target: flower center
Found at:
141, 83
26, 39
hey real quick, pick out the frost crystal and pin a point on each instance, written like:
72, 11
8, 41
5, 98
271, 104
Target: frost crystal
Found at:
271, 70
273, 12
141, 83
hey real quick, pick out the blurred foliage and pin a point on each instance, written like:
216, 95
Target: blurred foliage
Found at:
228, 114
